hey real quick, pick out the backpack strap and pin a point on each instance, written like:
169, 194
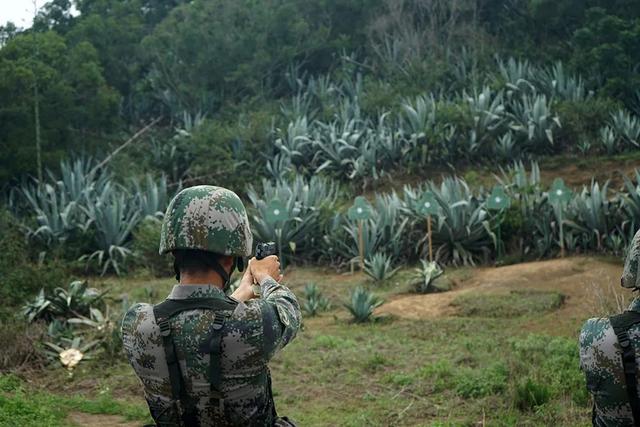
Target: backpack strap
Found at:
621, 324
163, 313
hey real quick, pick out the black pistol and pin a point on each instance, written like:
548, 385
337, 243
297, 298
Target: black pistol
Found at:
264, 250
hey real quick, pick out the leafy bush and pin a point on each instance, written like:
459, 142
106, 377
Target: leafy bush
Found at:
314, 302
530, 394
20, 278
146, 240
361, 304
379, 267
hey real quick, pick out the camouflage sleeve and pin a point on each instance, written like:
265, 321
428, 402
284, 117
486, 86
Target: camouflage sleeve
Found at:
280, 305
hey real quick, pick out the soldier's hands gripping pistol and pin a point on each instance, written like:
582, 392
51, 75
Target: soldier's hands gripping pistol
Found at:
263, 250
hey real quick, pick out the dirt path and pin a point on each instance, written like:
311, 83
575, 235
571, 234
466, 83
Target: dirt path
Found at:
589, 285
99, 420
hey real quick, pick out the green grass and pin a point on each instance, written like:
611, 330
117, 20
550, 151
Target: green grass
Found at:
20, 405
457, 371
515, 303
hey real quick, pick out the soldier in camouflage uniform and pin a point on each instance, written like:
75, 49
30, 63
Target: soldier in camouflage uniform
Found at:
604, 344
202, 355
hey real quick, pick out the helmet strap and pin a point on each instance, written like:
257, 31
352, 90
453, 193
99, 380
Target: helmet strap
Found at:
226, 277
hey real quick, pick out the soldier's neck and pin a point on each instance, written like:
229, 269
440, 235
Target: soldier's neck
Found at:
201, 278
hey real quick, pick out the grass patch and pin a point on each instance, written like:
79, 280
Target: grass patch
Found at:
21, 406
514, 304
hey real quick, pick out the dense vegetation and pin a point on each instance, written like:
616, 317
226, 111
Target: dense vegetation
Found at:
237, 81
314, 103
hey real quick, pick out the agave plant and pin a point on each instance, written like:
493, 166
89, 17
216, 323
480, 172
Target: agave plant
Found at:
69, 352
462, 228
307, 203
362, 304
532, 118
384, 232
516, 74
507, 148
419, 116
115, 217
380, 267
75, 301
555, 82
425, 275
609, 140
487, 110
626, 126
593, 214
152, 196
295, 144
314, 301
631, 201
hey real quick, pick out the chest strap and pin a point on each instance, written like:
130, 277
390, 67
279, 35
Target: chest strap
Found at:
621, 324
163, 313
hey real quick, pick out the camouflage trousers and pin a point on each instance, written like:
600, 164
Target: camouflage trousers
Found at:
284, 422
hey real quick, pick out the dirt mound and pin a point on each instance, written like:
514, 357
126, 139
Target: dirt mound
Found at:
584, 281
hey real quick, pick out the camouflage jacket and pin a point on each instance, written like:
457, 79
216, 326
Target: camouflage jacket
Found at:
251, 335
601, 361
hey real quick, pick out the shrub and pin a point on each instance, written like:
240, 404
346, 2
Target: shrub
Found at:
530, 394
361, 304
314, 302
20, 278
146, 240
21, 344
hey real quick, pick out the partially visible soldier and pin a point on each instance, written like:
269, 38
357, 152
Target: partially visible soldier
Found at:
201, 355
608, 348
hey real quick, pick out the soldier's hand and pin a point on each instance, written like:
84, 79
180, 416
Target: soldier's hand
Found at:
244, 291
266, 267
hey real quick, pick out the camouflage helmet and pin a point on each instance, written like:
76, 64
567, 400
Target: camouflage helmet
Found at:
207, 218
630, 274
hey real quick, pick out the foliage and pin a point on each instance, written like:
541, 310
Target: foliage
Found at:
314, 302
146, 238
308, 203
20, 275
425, 275
21, 342
61, 303
361, 304
530, 394
379, 267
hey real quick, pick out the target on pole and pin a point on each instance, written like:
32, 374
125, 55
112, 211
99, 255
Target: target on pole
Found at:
559, 193
498, 200
276, 212
427, 205
361, 209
